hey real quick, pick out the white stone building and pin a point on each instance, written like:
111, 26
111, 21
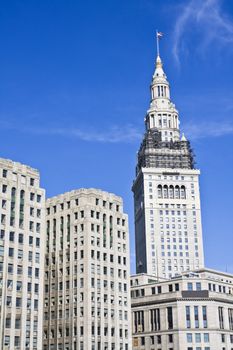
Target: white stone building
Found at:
168, 230
193, 311
87, 296
22, 215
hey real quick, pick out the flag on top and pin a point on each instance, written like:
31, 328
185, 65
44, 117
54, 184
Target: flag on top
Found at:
159, 34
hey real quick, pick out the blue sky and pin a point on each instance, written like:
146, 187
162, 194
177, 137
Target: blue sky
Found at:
74, 89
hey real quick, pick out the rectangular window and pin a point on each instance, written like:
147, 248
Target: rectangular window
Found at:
189, 337
204, 315
155, 319
169, 318
190, 286
230, 317
196, 317
11, 252
188, 321
139, 321
221, 319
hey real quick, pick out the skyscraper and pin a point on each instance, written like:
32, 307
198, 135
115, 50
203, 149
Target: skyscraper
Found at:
168, 229
87, 297
22, 206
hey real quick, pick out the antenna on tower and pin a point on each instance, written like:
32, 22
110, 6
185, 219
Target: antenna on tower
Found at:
159, 35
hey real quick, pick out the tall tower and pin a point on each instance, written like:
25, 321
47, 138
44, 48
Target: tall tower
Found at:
168, 230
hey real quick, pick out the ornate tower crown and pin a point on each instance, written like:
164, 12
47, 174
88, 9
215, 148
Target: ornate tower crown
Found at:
162, 146
162, 113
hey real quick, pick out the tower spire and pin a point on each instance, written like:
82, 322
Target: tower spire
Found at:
162, 113
159, 35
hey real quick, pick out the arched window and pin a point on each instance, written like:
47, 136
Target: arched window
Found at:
152, 121
158, 91
183, 192
177, 192
160, 194
171, 192
13, 192
165, 191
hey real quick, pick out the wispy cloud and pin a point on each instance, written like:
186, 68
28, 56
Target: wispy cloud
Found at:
115, 134
120, 134
205, 130
205, 18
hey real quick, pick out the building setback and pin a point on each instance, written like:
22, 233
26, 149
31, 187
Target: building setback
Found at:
22, 215
193, 311
168, 231
87, 296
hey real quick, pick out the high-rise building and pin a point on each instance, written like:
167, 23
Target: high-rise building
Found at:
87, 297
168, 229
22, 206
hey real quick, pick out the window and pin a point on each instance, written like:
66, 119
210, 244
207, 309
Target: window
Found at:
169, 318
7, 340
30, 254
230, 317
204, 315
155, 319
189, 337
188, 322
221, 319
196, 317
139, 321
8, 322
20, 238
190, 286
18, 322
11, 252
18, 286
12, 236
18, 302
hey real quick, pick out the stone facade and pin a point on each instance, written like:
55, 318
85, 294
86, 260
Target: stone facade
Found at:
193, 311
168, 230
22, 214
87, 296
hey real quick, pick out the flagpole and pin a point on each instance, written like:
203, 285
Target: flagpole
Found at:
157, 42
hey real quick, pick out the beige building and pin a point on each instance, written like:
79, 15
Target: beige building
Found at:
193, 311
22, 206
87, 296
168, 230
